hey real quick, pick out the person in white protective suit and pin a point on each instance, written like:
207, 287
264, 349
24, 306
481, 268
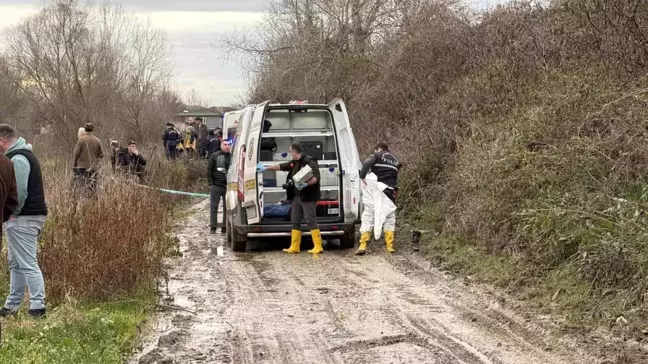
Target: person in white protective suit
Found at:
379, 175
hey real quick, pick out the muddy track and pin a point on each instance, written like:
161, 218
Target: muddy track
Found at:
270, 307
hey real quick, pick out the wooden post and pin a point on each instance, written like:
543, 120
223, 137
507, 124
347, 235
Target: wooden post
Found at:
416, 240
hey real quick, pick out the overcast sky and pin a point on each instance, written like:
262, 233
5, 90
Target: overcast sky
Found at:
191, 26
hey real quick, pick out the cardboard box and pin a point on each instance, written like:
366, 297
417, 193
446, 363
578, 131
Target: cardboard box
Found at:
303, 176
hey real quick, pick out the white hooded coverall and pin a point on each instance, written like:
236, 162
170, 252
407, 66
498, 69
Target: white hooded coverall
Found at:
379, 211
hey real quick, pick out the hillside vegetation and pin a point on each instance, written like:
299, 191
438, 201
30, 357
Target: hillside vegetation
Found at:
523, 129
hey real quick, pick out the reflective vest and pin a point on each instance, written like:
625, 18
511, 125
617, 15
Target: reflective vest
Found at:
187, 140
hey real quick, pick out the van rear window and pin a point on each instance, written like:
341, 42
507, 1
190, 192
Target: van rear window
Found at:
284, 120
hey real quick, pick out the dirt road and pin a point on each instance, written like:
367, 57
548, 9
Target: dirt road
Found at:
270, 307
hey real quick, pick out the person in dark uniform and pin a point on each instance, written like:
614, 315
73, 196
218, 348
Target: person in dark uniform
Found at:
385, 166
303, 196
209, 144
171, 138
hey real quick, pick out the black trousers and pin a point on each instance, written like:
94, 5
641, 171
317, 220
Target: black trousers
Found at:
171, 152
216, 194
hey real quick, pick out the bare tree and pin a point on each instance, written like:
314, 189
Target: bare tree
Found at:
149, 75
83, 63
11, 100
318, 49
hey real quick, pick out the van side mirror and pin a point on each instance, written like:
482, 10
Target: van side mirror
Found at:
338, 107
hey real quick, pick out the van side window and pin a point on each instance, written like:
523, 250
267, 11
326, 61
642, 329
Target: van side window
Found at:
231, 135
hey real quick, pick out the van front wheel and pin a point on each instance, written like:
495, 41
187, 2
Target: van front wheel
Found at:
347, 241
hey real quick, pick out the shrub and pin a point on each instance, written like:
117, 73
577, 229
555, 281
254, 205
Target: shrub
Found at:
106, 246
185, 174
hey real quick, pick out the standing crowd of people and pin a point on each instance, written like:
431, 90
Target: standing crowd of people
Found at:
177, 143
88, 154
24, 209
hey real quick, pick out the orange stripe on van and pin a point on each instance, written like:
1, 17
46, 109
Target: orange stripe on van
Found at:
250, 184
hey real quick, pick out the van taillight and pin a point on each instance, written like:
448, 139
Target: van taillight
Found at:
354, 202
335, 227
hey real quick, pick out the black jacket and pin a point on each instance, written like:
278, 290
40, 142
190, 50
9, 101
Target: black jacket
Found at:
133, 163
384, 165
217, 167
117, 156
310, 193
209, 145
35, 203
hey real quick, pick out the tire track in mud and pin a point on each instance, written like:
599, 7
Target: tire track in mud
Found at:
270, 307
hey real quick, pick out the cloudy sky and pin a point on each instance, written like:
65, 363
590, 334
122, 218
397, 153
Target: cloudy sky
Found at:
192, 26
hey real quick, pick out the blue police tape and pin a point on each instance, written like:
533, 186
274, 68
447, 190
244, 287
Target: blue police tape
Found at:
174, 192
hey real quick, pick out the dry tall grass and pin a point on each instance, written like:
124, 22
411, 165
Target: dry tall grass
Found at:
112, 244
98, 248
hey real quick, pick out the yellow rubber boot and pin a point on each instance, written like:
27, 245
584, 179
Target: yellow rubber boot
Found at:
364, 239
295, 242
389, 241
317, 241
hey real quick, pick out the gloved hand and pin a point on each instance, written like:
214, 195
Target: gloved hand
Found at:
301, 186
260, 167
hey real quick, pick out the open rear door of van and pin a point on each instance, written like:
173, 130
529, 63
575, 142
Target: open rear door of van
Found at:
253, 195
349, 160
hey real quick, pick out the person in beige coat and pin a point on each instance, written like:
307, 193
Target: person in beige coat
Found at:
88, 153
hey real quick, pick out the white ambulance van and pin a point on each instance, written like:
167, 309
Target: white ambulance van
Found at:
256, 202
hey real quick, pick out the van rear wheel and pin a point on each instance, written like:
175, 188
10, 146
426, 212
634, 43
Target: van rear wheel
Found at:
237, 242
347, 241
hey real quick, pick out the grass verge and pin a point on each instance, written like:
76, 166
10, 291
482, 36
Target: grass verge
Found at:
561, 290
76, 333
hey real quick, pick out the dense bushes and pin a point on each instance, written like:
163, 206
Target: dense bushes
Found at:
523, 129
